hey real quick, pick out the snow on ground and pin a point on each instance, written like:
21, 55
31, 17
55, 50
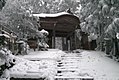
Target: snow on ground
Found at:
50, 54
33, 69
98, 65
43, 65
94, 63
68, 68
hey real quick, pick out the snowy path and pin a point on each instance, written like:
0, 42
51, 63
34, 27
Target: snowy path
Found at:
98, 65
91, 64
40, 55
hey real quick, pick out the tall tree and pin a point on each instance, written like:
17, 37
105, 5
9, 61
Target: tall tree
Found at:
97, 16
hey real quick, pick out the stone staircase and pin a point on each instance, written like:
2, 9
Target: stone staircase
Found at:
68, 68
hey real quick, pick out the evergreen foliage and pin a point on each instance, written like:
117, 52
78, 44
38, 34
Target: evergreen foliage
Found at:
100, 17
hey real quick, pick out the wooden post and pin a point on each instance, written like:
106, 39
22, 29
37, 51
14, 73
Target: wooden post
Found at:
62, 43
66, 44
53, 38
75, 44
69, 47
70, 43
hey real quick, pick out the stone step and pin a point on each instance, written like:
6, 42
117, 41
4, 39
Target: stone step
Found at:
73, 78
68, 68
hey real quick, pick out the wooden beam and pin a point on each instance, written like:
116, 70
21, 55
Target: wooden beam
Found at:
60, 22
50, 22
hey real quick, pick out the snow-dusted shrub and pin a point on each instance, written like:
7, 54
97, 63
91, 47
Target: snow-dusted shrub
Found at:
113, 28
112, 11
83, 26
105, 10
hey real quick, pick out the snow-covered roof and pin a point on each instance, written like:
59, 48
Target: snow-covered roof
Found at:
64, 22
51, 15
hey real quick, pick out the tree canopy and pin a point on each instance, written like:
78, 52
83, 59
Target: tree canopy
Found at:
17, 14
100, 17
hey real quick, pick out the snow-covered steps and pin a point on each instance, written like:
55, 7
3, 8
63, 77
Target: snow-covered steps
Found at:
33, 69
73, 78
38, 65
51, 54
68, 68
27, 79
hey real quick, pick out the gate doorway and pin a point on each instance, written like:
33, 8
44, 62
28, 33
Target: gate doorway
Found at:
61, 28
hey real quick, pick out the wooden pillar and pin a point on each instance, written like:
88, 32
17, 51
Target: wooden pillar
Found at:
62, 43
53, 38
66, 44
69, 47
70, 43
75, 44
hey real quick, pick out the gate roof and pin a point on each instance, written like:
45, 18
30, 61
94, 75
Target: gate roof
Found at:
63, 23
